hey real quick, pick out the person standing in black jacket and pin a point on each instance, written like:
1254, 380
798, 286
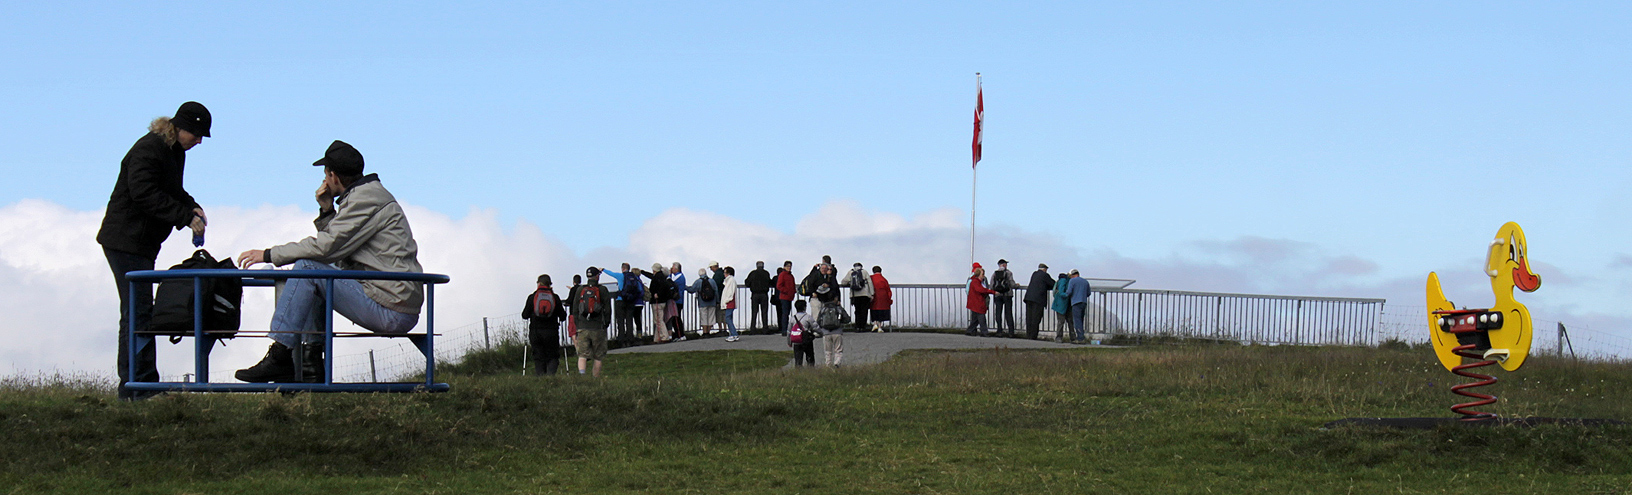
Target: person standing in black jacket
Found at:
147, 203
1037, 299
759, 288
1003, 302
544, 312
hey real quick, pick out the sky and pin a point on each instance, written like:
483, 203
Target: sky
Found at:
1302, 148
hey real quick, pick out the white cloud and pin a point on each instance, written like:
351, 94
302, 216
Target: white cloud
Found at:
60, 308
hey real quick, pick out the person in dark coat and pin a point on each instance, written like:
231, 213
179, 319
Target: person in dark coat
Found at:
148, 202
1037, 300
544, 326
759, 298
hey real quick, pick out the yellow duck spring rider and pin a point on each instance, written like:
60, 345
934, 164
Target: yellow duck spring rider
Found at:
1499, 335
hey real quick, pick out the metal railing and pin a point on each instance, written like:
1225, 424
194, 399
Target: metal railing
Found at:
1245, 318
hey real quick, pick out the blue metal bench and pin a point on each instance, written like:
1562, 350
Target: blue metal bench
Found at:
204, 341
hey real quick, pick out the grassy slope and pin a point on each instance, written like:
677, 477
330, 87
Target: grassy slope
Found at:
1168, 419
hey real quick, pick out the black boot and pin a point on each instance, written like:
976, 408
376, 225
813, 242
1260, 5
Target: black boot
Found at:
277, 366
311, 363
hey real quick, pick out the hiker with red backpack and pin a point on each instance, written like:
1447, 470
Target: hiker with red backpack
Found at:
591, 313
544, 313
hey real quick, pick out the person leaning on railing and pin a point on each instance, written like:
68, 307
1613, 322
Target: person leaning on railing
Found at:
1037, 299
360, 226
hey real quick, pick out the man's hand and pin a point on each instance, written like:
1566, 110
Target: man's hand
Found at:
250, 257
325, 197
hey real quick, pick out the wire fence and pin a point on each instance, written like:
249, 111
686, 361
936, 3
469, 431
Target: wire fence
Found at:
1138, 313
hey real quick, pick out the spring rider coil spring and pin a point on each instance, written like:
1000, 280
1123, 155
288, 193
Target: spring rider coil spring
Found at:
1467, 325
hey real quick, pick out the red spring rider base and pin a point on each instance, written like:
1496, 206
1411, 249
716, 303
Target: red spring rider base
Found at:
1470, 327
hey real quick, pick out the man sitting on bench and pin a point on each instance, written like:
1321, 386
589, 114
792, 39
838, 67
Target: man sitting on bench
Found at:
360, 226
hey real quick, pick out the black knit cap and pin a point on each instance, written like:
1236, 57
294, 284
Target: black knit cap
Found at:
342, 159
192, 117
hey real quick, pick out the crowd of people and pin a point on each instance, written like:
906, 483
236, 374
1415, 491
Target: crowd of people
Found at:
806, 309
634, 300
996, 293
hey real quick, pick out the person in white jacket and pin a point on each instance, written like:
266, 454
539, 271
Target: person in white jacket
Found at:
728, 303
861, 293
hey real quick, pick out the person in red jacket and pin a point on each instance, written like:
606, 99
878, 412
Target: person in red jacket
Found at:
785, 290
977, 302
882, 299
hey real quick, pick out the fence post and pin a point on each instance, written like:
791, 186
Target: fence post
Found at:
373, 371
487, 340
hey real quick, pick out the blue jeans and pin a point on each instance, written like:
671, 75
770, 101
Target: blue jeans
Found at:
146, 353
1076, 319
300, 308
730, 322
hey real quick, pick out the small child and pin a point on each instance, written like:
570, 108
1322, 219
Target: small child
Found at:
802, 327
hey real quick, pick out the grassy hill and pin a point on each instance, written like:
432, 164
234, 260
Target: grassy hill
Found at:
1160, 419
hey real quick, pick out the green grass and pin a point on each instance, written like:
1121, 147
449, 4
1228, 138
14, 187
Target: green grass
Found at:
1167, 419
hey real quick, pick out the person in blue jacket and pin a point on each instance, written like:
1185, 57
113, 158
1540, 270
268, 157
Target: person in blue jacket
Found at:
1062, 305
1077, 291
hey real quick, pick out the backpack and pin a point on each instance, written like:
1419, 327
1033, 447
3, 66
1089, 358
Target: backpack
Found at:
173, 302
543, 302
630, 291
807, 287
858, 280
1003, 284
589, 301
706, 294
832, 317
796, 333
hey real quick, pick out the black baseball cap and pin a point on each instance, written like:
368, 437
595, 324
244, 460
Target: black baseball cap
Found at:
192, 117
342, 159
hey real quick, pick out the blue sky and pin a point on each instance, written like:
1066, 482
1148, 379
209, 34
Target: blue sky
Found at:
1401, 134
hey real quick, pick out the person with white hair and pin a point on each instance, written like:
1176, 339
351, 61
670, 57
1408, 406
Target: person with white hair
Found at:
708, 296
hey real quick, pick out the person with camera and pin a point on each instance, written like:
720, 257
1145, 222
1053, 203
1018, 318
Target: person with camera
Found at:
148, 202
360, 226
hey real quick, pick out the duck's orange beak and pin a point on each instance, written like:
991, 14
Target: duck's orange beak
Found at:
1524, 279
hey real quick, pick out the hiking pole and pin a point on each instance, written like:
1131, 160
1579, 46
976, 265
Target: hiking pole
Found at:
524, 348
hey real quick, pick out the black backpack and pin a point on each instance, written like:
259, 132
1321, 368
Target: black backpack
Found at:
858, 280
1003, 281
706, 294
173, 302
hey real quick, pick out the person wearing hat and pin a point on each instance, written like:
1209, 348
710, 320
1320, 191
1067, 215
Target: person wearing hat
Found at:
1003, 301
591, 314
149, 202
360, 226
977, 302
719, 283
1037, 299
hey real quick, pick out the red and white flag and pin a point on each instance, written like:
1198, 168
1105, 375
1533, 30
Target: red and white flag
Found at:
980, 115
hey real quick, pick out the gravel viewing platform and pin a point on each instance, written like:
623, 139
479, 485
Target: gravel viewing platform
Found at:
859, 348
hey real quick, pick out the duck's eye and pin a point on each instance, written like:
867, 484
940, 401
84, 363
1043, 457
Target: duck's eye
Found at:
1512, 250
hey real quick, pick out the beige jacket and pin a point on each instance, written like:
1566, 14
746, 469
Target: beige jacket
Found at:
368, 231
